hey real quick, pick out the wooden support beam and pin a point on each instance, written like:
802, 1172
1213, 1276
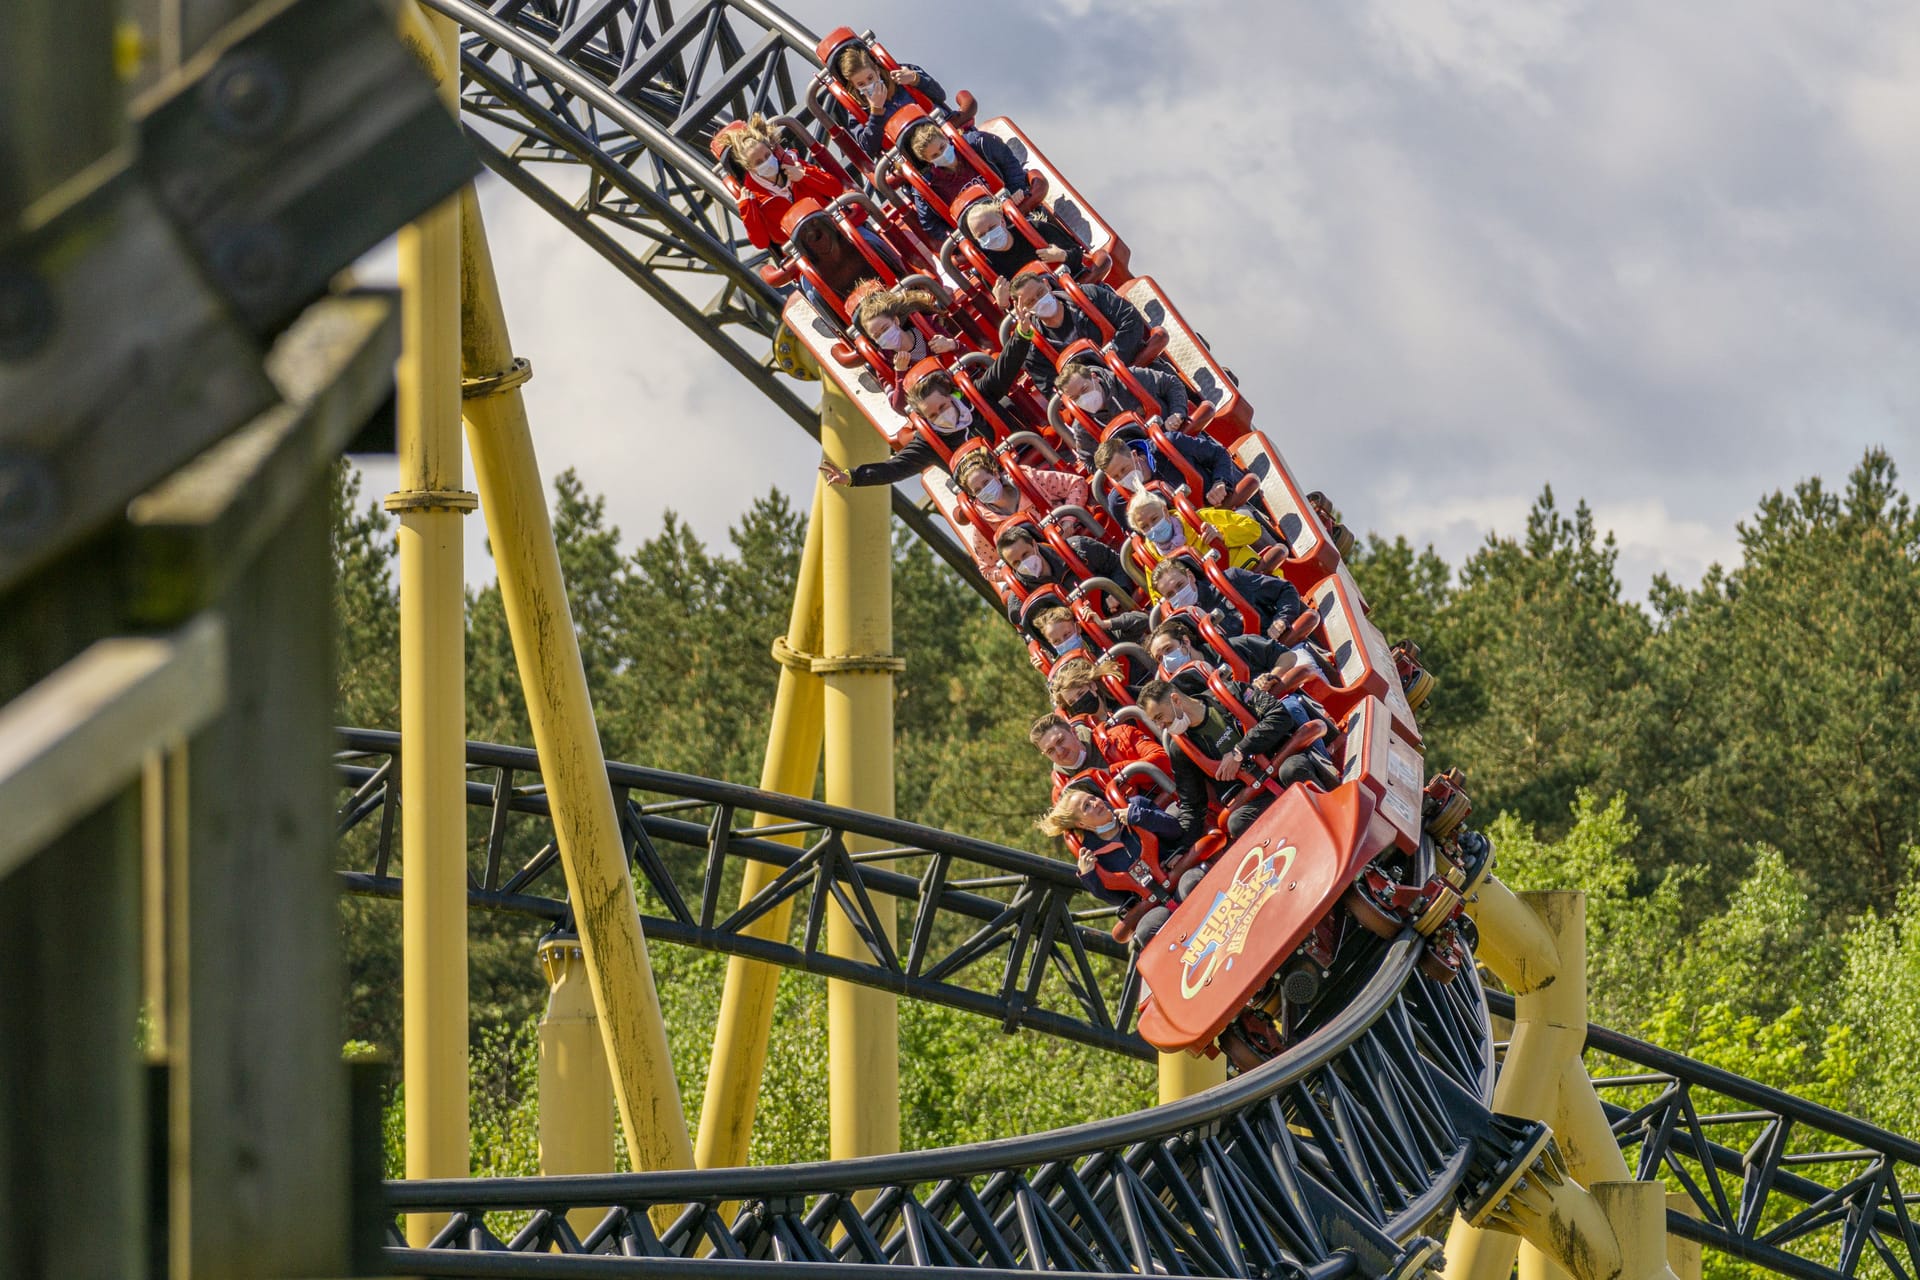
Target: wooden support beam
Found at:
80, 736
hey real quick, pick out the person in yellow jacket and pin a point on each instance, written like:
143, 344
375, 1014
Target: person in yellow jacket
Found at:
1164, 532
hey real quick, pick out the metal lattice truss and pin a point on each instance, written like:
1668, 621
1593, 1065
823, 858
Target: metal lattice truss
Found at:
992, 930
1339, 1158
1795, 1187
600, 112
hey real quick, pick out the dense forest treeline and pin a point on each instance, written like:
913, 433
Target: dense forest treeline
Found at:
1732, 771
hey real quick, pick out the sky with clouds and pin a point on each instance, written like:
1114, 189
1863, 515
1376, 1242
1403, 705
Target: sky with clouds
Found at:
1660, 256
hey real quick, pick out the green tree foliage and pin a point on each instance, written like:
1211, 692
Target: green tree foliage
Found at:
1732, 773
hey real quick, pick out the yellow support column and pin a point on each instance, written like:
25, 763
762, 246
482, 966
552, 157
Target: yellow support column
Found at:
863, 1042
1683, 1255
1183, 1074
745, 1021
576, 1093
430, 504
1523, 941
560, 709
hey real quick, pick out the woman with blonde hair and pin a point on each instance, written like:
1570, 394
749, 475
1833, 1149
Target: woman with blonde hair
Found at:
1120, 856
771, 177
885, 316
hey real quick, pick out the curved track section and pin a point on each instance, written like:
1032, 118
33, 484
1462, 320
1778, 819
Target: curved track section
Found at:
994, 930
1797, 1188
599, 113
1338, 1158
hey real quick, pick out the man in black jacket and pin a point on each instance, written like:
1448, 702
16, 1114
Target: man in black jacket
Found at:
1273, 599
1215, 736
1130, 460
1088, 382
1059, 320
1034, 565
936, 398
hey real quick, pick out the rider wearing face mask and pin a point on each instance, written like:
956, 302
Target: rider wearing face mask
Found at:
771, 177
996, 499
946, 170
983, 217
1120, 857
1088, 383
1183, 655
887, 318
934, 395
1129, 460
1214, 753
1273, 600
1058, 320
1164, 532
1033, 565
882, 95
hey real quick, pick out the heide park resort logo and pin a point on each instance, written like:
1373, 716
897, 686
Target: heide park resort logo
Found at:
1223, 934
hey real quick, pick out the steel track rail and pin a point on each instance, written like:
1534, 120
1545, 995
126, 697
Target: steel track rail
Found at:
1779, 1181
1337, 1157
648, 202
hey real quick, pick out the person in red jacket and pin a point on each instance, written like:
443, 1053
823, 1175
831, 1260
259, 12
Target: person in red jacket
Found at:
771, 177
1075, 748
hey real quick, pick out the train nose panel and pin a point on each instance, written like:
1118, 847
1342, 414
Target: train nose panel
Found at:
1257, 904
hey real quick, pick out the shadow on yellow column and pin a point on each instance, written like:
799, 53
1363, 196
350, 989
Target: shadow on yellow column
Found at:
856, 667
745, 1022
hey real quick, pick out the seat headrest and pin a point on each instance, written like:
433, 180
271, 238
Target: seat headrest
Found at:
724, 138
798, 213
903, 120
832, 43
971, 194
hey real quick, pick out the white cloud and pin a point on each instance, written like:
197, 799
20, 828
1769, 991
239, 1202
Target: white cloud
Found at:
1659, 256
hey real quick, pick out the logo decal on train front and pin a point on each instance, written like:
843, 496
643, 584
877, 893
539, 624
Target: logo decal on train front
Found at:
1223, 934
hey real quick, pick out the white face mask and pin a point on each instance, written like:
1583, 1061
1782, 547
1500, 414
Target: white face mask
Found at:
1179, 724
769, 167
1174, 659
955, 417
1033, 566
1185, 597
891, 338
1164, 532
1107, 832
1048, 307
996, 240
947, 158
992, 491
1132, 482
1091, 400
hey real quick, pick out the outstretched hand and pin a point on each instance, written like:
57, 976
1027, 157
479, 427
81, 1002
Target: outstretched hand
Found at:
834, 474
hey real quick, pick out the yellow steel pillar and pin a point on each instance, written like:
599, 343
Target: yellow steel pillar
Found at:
1683, 1255
863, 1043
745, 1021
560, 709
576, 1093
430, 504
1535, 943
1184, 1074
1637, 1212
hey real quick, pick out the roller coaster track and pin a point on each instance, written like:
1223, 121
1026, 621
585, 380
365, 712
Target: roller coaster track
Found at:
1336, 1159
1340, 1157
1818, 1193
599, 114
